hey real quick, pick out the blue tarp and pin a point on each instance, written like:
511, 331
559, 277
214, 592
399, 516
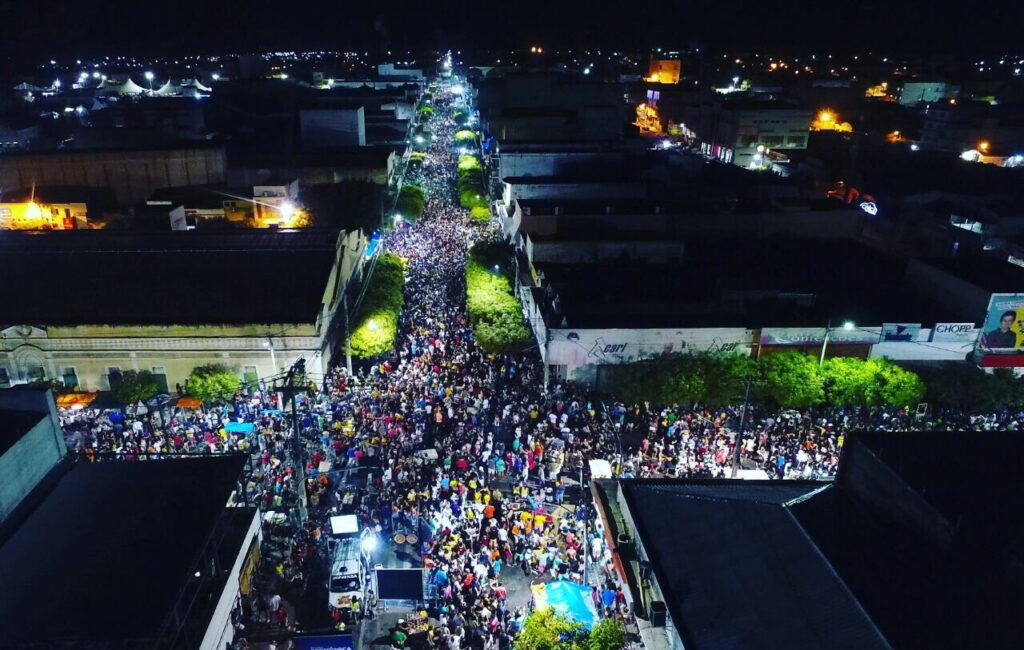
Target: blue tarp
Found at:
568, 599
240, 427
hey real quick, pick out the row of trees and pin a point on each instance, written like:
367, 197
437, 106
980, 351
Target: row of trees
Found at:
790, 379
376, 324
410, 201
472, 194
494, 311
209, 384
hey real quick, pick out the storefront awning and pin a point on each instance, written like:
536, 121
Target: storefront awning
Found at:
75, 400
189, 403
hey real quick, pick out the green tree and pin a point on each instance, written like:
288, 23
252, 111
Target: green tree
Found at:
791, 379
480, 214
135, 386
410, 202
725, 376
464, 136
495, 312
849, 382
213, 383
607, 635
376, 325
546, 630
897, 386
666, 379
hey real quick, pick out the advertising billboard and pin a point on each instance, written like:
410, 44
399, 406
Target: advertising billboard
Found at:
581, 347
954, 332
816, 336
1001, 331
892, 332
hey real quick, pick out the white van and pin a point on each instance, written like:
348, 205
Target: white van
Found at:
347, 574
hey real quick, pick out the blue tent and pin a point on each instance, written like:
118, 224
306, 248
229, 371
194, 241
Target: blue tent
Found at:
240, 427
567, 599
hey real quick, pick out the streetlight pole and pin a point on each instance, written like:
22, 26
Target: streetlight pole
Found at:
738, 443
347, 333
824, 342
273, 358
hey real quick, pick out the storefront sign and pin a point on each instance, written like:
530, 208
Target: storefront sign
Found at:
892, 332
816, 336
954, 332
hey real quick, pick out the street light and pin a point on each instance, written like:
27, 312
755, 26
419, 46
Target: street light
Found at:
269, 344
847, 325
368, 543
149, 78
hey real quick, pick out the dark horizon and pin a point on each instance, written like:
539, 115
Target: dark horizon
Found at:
43, 29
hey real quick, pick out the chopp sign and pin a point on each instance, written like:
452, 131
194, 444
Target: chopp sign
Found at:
953, 332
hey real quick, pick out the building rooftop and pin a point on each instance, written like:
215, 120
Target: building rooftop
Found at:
105, 576
737, 283
915, 544
15, 424
739, 572
165, 278
991, 273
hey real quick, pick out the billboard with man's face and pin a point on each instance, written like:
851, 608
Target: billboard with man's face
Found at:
1002, 330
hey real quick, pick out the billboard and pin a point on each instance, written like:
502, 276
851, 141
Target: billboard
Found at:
582, 347
892, 332
816, 336
954, 332
1002, 330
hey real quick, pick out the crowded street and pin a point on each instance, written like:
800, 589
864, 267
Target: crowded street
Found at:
453, 460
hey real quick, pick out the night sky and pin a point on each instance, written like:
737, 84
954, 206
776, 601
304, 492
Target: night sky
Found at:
40, 29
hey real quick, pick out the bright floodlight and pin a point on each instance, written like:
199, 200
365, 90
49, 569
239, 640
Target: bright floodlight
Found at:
96, 75
419, 139
149, 76
215, 76
56, 83
848, 326
287, 209
368, 543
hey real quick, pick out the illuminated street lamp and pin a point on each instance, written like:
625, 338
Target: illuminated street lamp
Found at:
149, 78
984, 146
847, 325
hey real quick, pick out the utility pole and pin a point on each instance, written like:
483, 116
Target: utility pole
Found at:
294, 385
824, 343
348, 340
738, 443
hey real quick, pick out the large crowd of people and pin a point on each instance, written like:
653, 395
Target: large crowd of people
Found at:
474, 458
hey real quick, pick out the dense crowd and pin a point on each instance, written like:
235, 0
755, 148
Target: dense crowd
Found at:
475, 459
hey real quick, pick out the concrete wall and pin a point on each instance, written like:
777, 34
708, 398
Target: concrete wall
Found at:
132, 174
547, 163
35, 454
334, 127
220, 633
582, 190
573, 252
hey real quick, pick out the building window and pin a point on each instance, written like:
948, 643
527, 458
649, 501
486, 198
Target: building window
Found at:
35, 373
70, 378
5, 379
250, 377
160, 376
